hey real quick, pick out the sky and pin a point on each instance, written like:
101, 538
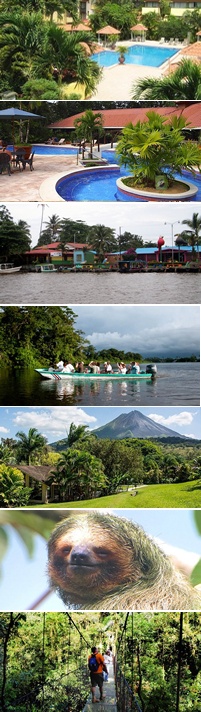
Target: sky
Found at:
146, 219
54, 422
24, 580
149, 330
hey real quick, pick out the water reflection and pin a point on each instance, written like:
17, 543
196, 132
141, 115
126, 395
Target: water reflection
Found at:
176, 384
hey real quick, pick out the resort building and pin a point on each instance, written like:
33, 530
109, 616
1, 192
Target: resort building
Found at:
85, 8
177, 7
115, 119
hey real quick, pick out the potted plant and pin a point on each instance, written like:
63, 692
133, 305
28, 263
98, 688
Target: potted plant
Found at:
155, 150
122, 51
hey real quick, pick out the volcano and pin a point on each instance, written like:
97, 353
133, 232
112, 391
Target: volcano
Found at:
134, 425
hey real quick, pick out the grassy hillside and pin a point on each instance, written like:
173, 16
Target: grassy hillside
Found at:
187, 494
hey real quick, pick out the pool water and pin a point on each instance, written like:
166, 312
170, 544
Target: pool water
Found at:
54, 150
42, 150
137, 54
100, 185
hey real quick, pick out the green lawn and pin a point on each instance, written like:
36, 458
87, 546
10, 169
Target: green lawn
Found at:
187, 494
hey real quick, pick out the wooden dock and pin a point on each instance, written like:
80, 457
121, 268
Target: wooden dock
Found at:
109, 703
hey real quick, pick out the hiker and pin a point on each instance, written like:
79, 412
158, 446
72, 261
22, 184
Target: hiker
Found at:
96, 666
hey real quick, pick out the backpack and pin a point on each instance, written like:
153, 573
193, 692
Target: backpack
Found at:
93, 663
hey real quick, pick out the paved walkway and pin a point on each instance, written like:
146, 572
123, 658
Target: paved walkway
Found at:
117, 82
25, 185
109, 704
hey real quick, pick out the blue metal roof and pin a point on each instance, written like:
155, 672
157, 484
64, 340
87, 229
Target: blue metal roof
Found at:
146, 250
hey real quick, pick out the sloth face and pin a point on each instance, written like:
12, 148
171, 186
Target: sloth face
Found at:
87, 558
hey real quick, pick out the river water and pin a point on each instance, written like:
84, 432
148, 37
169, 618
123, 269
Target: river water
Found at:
113, 288
176, 384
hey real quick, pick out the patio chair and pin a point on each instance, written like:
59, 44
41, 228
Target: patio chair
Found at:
29, 161
5, 163
62, 140
19, 157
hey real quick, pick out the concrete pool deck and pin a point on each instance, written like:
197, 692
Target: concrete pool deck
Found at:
25, 185
118, 81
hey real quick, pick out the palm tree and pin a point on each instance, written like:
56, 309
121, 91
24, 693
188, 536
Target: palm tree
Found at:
78, 432
89, 126
184, 83
102, 240
23, 38
192, 236
66, 54
156, 147
34, 48
30, 444
79, 474
51, 232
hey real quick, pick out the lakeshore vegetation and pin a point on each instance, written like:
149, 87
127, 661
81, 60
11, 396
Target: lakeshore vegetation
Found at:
34, 337
15, 237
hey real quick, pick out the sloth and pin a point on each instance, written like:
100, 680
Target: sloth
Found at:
103, 562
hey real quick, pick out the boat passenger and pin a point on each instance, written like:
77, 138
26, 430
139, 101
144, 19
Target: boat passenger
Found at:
122, 367
135, 368
68, 367
107, 367
80, 367
93, 367
60, 365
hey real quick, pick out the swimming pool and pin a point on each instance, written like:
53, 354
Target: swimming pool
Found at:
100, 185
44, 150
136, 54
41, 150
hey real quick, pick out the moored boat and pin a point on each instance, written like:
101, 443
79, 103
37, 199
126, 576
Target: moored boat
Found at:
8, 268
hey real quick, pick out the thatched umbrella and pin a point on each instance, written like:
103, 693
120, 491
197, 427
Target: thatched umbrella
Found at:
139, 30
107, 31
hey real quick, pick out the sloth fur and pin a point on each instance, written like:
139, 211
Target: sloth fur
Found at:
104, 562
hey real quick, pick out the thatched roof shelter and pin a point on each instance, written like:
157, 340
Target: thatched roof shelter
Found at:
41, 473
139, 32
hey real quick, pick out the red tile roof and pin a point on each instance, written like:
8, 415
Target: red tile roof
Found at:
46, 249
118, 118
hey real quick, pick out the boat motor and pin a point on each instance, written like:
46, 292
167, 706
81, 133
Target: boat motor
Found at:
151, 368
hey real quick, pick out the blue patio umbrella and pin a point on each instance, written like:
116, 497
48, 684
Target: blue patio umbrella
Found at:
17, 114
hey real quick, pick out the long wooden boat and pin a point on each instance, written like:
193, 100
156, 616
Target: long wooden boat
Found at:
61, 375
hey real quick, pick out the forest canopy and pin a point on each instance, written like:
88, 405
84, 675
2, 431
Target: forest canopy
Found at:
43, 659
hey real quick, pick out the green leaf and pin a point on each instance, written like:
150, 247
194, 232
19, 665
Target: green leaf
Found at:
196, 574
3, 542
27, 538
197, 517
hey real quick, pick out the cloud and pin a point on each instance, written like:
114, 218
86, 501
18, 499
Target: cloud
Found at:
191, 435
54, 421
4, 430
183, 418
165, 338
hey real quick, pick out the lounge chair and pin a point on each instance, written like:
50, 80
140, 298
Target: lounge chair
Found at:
62, 140
5, 163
